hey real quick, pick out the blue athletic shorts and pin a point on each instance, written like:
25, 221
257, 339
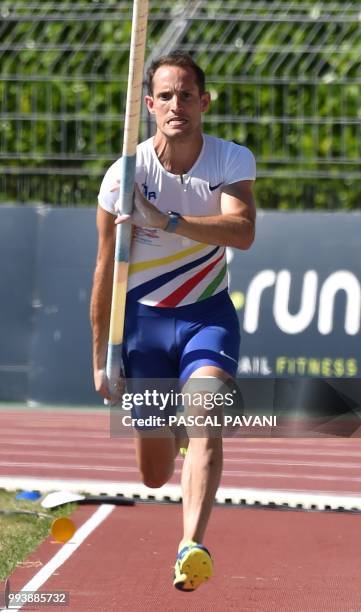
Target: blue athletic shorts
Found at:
172, 343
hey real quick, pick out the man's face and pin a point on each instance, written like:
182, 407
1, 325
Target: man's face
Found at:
177, 103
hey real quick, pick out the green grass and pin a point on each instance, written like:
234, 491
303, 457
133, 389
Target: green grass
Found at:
21, 534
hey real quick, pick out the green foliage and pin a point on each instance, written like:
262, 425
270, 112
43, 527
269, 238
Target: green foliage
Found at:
307, 194
288, 90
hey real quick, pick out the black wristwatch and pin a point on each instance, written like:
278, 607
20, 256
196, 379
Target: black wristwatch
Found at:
173, 221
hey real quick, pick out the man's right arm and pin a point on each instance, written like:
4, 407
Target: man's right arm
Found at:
100, 305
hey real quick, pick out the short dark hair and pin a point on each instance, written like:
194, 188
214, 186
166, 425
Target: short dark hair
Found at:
176, 58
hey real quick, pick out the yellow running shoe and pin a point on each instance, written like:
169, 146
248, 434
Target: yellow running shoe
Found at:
193, 566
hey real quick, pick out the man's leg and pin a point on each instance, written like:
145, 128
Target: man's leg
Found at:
200, 480
202, 471
201, 475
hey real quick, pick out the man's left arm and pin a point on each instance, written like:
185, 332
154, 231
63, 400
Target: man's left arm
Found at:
234, 227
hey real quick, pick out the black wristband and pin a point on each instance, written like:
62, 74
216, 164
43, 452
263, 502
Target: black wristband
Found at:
173, 221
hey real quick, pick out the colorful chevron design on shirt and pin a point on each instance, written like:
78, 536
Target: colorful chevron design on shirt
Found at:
212, 259
177, 296
211, 289
140, 266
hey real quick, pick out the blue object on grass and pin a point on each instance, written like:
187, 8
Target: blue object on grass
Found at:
29, 495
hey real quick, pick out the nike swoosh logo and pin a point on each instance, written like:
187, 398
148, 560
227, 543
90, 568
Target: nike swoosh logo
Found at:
228, 356
213, 187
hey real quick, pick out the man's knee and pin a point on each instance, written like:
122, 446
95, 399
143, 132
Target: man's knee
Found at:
155, 460
154, 479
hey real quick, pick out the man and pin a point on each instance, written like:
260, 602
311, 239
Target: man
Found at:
193, 197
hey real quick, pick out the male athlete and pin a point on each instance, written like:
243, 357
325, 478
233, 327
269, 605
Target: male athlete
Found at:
193, 197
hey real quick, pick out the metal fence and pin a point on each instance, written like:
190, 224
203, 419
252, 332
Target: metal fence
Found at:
284, 77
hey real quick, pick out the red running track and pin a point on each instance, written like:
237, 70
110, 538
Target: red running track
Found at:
265, 561
75, 444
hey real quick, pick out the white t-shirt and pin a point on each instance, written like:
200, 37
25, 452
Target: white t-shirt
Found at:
168, 270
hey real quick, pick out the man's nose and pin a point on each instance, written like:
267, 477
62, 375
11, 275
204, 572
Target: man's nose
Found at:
176, 102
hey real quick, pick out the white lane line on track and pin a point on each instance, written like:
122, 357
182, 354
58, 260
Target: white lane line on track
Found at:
121, 457
286, 462
74, 444
66, 550
118, 447
314, 452
70, 467
104, 437
122, 468
102, 432
115, 456
54, 432
319, 440
236, 474
290, 475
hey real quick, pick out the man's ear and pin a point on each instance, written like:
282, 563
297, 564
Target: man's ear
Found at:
149, 101
205, 101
